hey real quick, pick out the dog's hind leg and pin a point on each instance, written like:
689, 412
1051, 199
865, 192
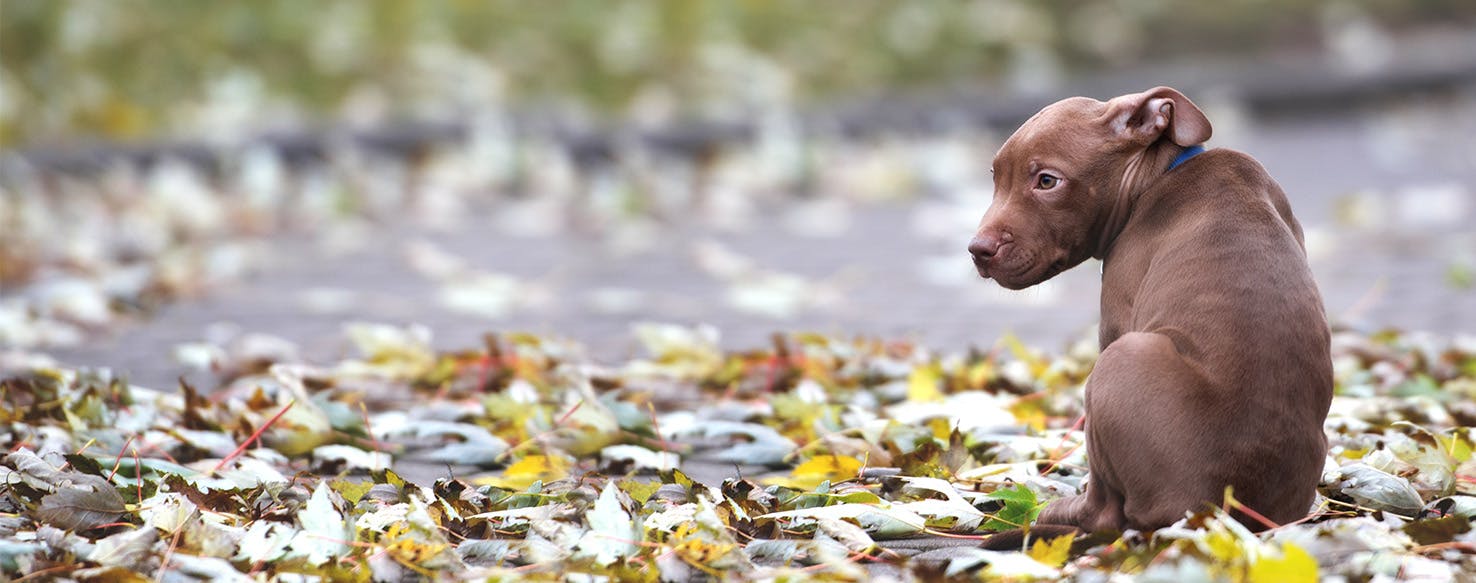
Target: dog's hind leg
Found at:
1098, 508
1149, 458
1131, 400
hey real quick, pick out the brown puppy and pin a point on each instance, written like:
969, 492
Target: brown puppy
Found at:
1214, 369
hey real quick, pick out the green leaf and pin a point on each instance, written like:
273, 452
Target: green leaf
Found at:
1460, 275
1421, 386
857, 497
84, 464
1020, 508
127, 466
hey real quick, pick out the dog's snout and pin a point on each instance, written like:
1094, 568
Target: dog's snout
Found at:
986, 245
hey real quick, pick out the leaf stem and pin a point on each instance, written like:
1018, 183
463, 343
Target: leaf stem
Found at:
254, 436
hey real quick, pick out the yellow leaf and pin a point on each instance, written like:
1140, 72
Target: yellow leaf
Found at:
1353, 453
1024, 354
1224, 547
689, 543
979, 374
923, 383
1053, 553
530, 469
350, 490
121, 119
1030, 413
820, 468
1454, 445
401, 543
638, 491
941, 427
1293, 566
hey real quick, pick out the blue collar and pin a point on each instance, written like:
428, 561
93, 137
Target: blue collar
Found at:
1184, 156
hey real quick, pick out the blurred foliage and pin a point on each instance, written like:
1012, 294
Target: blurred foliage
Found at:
131, 68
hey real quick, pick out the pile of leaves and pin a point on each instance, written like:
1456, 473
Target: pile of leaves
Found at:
816, 458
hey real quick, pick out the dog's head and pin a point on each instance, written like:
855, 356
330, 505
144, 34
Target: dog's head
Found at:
1067, 176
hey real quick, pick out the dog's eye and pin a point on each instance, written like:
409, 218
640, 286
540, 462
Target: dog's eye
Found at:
1046, 181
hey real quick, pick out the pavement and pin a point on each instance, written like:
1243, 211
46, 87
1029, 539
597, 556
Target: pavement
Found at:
1385, 193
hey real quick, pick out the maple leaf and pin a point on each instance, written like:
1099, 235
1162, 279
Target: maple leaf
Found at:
1019, 510
1054, 552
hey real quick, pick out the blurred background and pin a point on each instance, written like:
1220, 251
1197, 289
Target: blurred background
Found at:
179, 178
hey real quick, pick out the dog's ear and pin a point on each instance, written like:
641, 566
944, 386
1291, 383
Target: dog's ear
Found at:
1144, 117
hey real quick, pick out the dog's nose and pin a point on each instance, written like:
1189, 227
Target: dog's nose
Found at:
985, 246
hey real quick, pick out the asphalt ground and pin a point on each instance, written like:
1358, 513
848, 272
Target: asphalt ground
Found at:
1384, 193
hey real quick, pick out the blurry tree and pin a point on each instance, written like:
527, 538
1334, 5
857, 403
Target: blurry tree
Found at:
132, 68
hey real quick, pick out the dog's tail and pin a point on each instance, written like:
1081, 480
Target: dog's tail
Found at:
1019, 539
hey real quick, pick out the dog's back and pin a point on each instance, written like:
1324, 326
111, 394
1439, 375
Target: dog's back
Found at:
1214, 261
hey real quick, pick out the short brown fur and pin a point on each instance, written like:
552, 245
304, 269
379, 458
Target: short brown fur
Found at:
1215, 367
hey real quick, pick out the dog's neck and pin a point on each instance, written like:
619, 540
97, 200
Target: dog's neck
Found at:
1185, 155
1141, 171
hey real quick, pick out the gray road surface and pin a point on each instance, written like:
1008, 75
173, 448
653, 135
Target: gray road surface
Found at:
1387, 196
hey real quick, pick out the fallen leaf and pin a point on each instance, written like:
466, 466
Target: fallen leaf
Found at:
1000, 566
88, 502
1053, 553
1437, 530
1293, 566
818, 469
923, 384
612, 535
1019, 510
534, 468
878, 520
1378, 490
325, 532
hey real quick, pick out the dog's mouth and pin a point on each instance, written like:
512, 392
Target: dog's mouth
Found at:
1052, 269
1028, 274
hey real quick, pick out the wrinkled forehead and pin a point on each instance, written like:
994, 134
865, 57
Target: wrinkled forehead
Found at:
1059, 121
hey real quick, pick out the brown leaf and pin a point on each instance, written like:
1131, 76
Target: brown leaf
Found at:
1437, 530
80, 507
219, 500
110, 575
